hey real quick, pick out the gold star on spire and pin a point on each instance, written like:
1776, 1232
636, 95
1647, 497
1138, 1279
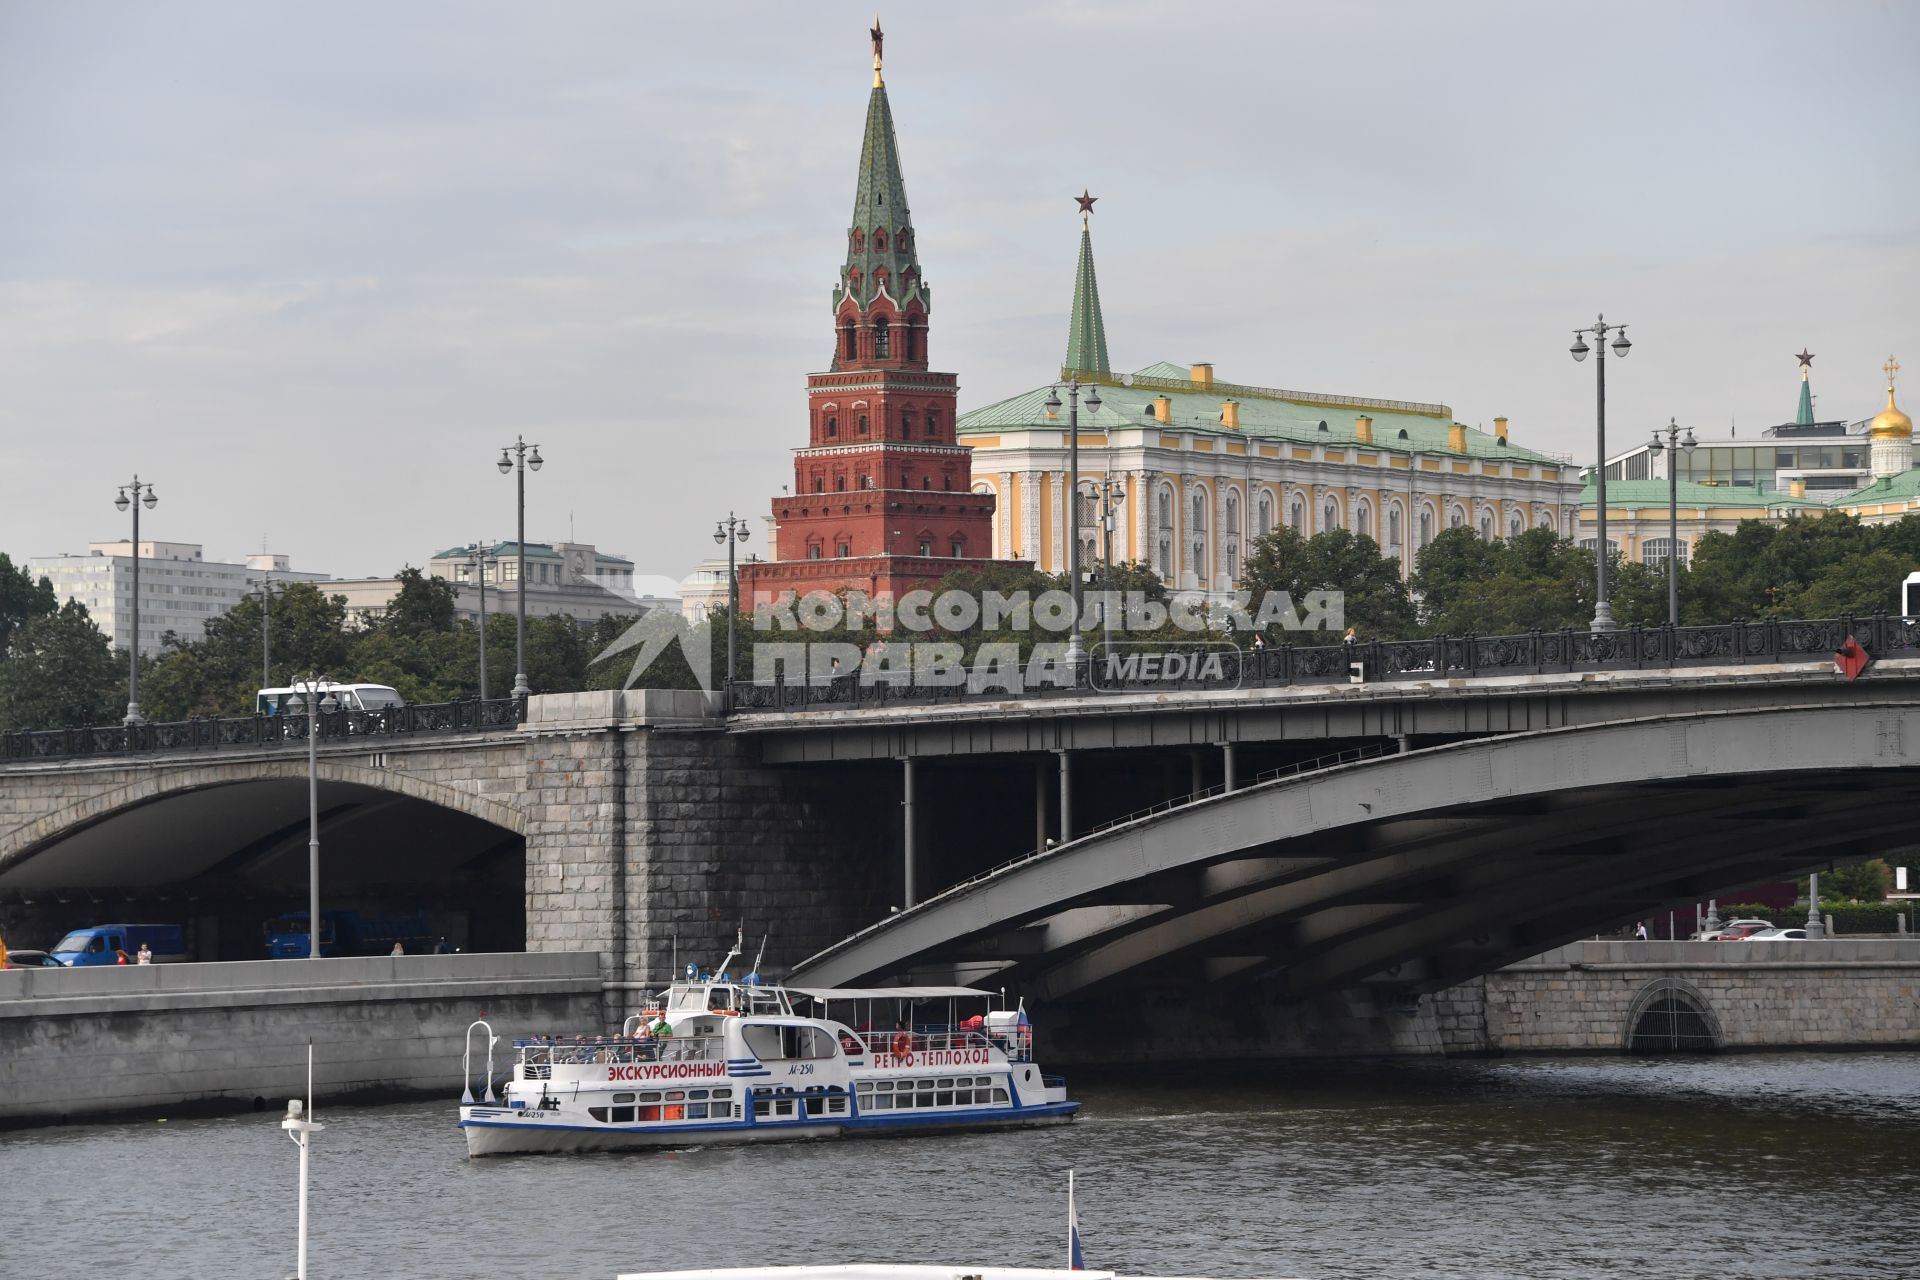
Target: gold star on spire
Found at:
879, 39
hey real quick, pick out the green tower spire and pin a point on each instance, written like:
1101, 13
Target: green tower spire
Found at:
881, 253
1804, 417
1087, 332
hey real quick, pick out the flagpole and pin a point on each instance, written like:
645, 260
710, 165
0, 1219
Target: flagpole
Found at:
1073, 1226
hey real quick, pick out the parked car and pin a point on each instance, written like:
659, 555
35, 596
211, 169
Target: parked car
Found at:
23, 958
1714, 935
1777, 935
1739, 932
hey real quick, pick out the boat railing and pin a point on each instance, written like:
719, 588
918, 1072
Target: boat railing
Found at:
540, 1054
940, 1035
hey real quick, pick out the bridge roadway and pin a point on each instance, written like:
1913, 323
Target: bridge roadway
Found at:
1420, 869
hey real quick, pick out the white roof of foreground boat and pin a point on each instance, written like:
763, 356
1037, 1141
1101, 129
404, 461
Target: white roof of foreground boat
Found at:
889, 1271
893, 993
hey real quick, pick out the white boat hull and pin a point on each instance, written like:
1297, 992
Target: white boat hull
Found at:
490, 1131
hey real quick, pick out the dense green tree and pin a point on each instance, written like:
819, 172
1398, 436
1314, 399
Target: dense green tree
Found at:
424, 606
1376, 604
21, 599
1536, 581
60, 672
1866, 881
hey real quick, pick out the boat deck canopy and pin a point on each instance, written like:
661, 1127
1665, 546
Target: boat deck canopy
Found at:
891, 993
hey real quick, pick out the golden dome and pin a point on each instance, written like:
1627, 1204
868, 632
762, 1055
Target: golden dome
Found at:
1890, 423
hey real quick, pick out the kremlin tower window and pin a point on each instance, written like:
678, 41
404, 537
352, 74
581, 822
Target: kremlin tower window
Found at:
819, 484
882, 343
959, 549
833, 424
863, 424
859, 242
853, 349
903, 241
879, 241
844, 550
933, 423
913, 342
906, 424
813, 550
839, 484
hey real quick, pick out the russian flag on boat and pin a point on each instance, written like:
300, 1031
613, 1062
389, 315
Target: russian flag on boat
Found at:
1074, 1261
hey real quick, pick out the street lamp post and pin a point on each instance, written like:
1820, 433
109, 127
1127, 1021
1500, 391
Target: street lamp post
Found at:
1816, 927
1676, 446
1602, 610
1076, 651
730, 531
477, 557
266, 633
524, 455
314, 704
1110, 495
132, 495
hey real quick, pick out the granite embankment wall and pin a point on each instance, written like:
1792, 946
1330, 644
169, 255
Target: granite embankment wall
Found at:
1587, 997
95, 1041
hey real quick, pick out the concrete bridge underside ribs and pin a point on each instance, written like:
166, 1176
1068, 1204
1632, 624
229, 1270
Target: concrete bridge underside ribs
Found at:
1423, 869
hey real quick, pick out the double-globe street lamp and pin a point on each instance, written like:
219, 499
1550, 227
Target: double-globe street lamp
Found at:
135, 495
1602, 610
524, 455
1676, 446
1108, 495
1076, 651
313, 705
731, 531
480, 556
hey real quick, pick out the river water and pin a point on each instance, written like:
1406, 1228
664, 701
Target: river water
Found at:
1768, 1165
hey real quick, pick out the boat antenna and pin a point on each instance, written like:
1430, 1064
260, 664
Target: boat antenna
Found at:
739, 941
301, 1129
758, 956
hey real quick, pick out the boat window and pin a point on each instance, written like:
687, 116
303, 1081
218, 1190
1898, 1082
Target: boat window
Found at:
676, 1095
598, 1113
623, 1097
837, 1106
763, 1041
884, 1086
783, 1107
673, 1113
999, 1095
723, 1093
924, 1085
761, 1107
946, 1084
622, 1115
696, 1111
721, 998
880, 1102
923, 1099
647, 1097
945, 1097
687, 1000
864, 1086
696, 1093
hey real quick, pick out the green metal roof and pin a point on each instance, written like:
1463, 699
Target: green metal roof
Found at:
1653, 493
1891, 489
1087, 332
1803, 417
538, 550
880, 209
1398, 426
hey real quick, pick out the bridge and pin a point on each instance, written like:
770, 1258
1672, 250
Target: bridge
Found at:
646, 825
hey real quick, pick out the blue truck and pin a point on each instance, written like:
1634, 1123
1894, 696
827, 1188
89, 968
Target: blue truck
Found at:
349, 933
106, 943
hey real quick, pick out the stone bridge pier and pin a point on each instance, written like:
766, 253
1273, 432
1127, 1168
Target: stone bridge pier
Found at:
652, 835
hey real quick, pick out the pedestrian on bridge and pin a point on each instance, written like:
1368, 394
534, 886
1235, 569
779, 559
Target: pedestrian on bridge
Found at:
1640, 931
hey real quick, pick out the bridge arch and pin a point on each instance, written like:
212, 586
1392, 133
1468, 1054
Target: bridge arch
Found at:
1440, 863
24, 841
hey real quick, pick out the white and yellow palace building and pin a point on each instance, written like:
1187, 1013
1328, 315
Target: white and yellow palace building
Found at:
1201, 467
1637, 509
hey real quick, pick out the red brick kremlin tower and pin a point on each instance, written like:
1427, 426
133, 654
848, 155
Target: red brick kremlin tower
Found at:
882, 497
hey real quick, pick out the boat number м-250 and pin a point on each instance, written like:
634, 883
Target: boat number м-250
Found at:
801, 1069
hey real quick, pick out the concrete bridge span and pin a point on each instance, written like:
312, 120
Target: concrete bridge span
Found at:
1415, 871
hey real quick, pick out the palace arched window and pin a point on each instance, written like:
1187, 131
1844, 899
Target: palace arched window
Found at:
1265, 515
1297, 514
1426, 527
1486, 525
1515, 524
1330, 516
1393, 527
1233, 513
1363, 518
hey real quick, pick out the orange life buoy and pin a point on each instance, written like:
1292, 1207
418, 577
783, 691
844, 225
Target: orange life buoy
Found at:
902, 1044
728, 1013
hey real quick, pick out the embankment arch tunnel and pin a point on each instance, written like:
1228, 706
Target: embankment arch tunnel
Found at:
222, 858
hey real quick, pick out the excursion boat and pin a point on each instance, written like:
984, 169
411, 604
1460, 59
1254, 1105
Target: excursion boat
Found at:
726, 1061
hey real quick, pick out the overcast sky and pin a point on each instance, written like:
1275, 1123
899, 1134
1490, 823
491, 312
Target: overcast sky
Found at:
308, 266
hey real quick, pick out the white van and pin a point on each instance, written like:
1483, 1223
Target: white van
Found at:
351, 697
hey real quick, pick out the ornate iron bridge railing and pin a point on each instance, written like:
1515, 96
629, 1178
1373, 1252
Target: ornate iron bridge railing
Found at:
1442, 657
213, 734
